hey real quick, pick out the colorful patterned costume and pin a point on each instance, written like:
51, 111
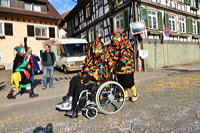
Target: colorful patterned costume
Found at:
97, 64
20, 76
123, 54
123, 57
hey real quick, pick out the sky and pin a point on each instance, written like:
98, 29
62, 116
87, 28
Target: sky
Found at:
63, 6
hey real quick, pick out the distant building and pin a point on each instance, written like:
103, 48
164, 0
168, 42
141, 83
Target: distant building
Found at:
90, 18
63, 26
23, 21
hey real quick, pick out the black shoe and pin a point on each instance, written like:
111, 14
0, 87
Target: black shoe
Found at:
10, 96
32, 95
72, 113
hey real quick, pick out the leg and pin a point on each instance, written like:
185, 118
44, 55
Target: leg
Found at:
134, 91
10, 94
45, 69
31, 78
67, 104
135, 95
51, 69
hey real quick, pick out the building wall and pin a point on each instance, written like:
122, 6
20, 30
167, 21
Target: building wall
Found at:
8, 43
174, 50
171, 54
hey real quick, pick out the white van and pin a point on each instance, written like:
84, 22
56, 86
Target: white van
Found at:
69, 52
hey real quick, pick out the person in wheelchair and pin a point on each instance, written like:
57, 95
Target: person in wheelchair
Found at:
123, 55
95, 69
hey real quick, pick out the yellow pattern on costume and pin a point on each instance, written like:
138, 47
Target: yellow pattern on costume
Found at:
15, 79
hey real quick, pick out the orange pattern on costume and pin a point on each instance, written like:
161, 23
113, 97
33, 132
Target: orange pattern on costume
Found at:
97, 64
123, 53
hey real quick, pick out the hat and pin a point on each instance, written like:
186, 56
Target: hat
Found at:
19, 48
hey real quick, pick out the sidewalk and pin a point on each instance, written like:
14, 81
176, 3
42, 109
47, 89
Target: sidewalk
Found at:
61, 83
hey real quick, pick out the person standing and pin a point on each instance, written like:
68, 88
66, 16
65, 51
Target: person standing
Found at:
20, 76
48, 58
32, 65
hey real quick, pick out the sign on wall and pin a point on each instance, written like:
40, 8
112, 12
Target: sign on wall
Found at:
166, 32
137, 28
143, 54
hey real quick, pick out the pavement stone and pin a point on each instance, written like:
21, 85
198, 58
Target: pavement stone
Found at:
168, 102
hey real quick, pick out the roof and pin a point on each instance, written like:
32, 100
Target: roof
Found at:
51, 13
65, 14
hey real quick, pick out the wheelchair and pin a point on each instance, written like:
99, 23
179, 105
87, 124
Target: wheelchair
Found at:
107, 97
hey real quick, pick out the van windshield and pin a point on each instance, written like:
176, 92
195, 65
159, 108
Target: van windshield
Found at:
72, 49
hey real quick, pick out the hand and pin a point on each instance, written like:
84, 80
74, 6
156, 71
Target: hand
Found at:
38, 71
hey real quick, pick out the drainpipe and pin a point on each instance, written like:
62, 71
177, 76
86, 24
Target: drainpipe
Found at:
140, 62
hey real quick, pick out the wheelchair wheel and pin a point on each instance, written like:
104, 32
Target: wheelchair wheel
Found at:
91, 112
110, 97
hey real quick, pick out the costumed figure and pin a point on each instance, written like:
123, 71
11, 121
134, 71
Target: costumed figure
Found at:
123, 56
95, 69
20, 76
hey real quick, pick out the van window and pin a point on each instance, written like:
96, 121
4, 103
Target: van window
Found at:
70, 50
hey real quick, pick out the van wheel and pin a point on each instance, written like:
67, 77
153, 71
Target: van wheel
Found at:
65, 70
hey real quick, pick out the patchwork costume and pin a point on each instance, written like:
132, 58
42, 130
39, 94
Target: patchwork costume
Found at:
20, 76
95, 69
123, 57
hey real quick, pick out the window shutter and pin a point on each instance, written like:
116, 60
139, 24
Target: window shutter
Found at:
51, 32
166, 20
197, 3
187, 2
8, 29
78, 19
126, 20
117, 3
144, 15
84, 13
30, 30
160, 21
110, 5
91, 8
189, 25
94, 33
87, 36
111, 25
198, 24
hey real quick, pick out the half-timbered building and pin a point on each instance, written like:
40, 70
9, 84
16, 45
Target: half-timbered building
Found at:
90, 18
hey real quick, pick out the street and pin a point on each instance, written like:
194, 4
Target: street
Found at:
168, 102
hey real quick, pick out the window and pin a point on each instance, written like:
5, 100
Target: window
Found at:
41, 31
76, 20
119, 21
100, 2
172, 22
193, 3
100, 31
91, 35
152, 15
194, 27
1, 29
182, 26
37, 7
5, 3
6, 29
88, 11
28, 6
